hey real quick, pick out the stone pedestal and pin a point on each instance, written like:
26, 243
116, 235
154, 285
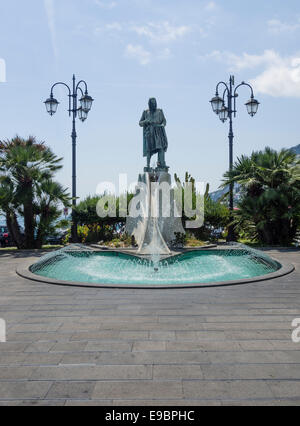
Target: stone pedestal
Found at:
157, 222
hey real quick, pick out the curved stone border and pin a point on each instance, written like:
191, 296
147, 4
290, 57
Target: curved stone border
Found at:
25, 272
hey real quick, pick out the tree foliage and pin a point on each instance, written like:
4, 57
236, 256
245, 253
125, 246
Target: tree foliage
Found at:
216, 214
27, 189
92, 227
269, 209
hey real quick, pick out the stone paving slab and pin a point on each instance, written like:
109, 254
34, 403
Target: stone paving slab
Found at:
20, 390
198, 347
99, 372
71, 390
154, 390
251, 371
33, 403
227, 389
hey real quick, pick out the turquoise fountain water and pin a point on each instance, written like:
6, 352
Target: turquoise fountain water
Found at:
78, 264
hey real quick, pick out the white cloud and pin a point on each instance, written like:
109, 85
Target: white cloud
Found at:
275, 26
106, 4
157, 33
211, 6
50, 11
113, 29
279, 76
162, 32
139, 53
157, 36
244, 61
115, 26
144, 57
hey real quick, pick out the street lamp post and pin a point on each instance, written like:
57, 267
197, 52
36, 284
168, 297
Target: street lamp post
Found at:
81, 112
227, 110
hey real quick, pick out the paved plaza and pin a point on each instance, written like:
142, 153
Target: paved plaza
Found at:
210, 346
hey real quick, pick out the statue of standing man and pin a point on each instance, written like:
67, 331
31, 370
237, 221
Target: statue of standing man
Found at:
155, 138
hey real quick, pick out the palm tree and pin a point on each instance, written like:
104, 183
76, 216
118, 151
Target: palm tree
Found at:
49, 197
8, 205
26, 164
270, 204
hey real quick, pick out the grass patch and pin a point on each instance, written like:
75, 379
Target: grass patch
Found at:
193, 242
49, 247
118, 243
8, 248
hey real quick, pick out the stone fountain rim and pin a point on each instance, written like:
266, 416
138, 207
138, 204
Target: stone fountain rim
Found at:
24, 272
173, 253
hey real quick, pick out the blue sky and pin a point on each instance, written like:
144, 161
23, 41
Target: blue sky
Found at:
130, 50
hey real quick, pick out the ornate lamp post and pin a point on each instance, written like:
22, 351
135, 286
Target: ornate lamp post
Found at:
81, 112
225, 108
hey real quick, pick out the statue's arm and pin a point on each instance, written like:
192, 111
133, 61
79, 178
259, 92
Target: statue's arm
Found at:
143, 121
162, 120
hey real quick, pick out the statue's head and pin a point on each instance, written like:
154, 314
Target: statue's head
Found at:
152, 104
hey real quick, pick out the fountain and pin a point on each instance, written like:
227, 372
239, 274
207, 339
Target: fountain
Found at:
233, 264
153, 229
154, 220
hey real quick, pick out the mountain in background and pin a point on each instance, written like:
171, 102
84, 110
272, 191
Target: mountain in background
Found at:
296, 149
217, 195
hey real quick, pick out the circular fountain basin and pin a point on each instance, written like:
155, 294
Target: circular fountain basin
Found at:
201, 268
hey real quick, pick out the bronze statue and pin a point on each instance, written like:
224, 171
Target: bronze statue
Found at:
155, 138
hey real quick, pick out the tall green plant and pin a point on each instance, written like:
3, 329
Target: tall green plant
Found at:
216, 215
9, 206
28, 167
269, 209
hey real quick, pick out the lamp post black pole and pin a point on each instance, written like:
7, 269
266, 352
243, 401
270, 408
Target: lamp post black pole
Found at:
231, 236
86, 102
74, 234
229, 112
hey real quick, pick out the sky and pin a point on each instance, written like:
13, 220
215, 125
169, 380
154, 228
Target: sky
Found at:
131, 50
